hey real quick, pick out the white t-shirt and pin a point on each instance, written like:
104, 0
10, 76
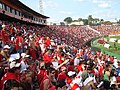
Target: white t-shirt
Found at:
24, 66
76, 61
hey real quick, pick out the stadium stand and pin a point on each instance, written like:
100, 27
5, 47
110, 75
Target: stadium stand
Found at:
34, 56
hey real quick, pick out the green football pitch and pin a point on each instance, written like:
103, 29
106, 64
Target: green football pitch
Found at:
114, 48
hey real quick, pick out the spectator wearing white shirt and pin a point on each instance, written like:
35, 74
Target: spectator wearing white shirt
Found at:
24, 64
76, 60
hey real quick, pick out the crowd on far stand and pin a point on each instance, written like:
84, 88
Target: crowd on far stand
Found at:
54, 58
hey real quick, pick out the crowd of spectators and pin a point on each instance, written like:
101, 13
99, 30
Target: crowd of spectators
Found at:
53, 58
107, 29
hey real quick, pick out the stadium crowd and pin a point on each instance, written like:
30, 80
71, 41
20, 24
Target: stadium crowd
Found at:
53, 58
107, 29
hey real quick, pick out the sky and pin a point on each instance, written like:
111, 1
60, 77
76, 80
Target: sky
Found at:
58, 10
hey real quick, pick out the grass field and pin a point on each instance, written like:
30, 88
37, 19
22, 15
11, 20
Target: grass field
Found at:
112, 48
118, 37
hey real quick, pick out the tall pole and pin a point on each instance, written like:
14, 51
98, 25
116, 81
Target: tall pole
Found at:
41, 6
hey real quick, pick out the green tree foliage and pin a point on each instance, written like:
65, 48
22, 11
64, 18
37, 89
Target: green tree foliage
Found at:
80, 19
85, 21
90, 19
68, 20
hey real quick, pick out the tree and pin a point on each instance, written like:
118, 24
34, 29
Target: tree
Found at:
96, 20
90, 19
80, 19
85, 21
68, 20
117, 21
101, 21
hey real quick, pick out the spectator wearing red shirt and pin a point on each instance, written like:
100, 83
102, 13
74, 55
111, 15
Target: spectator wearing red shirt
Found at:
19, 43
46, 83
12, 31
61, 58
33, 53
4, 35
70, 66
48, 57
63, 74
13, 73
12, 85
47, 41
42, 72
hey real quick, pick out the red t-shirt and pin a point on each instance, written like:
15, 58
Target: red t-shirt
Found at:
0, 57
41, 75
8, 76
100, 70
0, 36
47, 58
60, 59
62, 76
33, 53
18, 42
48, 42
68, 80
74, 87
118, 79
12, 30
80, 68
5, 37
70, 68
37, 42
42, 83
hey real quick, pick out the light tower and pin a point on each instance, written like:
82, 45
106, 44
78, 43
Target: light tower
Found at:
41, 6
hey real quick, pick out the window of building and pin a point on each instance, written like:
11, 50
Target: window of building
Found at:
44, 21
20, 14
8, 8
33, 19
0, 5
17, 12
4, 7
36, 19
13, 11
40, 20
